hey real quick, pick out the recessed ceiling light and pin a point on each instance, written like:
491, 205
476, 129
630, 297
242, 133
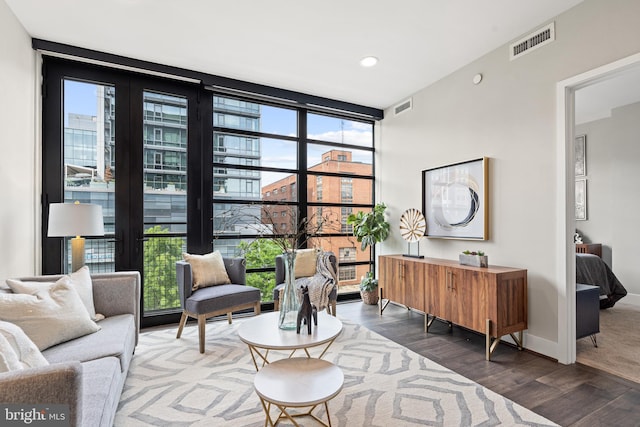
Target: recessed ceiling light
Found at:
368, 61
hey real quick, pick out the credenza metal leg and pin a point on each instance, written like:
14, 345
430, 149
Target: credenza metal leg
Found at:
381, 305
492, 343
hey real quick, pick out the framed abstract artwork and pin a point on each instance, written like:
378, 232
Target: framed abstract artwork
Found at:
455, 200
581, 199
581, 155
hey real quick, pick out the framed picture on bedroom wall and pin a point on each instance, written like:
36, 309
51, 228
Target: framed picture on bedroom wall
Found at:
581, 155
455, 200
581, 199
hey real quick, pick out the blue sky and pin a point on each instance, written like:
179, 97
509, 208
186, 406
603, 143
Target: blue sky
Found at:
79, 98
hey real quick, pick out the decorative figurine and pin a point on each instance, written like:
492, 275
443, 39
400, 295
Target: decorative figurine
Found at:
306, 311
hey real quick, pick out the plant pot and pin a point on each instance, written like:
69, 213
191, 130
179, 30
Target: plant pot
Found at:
474, 260
369, 297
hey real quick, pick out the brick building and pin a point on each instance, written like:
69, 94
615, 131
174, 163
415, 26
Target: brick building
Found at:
339, 192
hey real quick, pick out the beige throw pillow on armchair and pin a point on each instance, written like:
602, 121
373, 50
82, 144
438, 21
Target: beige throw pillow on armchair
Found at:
306, 260
207, 270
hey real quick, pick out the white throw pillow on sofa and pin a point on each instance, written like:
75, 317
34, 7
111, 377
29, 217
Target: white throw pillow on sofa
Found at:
17, 351
81, 281
49, 316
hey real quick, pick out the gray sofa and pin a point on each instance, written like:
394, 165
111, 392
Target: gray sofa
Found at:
87, 373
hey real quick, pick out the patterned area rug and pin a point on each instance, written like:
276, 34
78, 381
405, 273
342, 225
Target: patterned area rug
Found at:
171, 384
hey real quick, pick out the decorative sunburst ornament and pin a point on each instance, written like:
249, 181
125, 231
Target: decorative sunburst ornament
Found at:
412, 228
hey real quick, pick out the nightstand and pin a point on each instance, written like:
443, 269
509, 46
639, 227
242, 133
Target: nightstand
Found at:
587, 311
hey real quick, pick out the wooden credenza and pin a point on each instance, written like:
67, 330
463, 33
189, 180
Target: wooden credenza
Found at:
492, 300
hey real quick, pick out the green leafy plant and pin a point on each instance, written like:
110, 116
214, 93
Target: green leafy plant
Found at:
160, 256
371, 227
368, 283
479, 253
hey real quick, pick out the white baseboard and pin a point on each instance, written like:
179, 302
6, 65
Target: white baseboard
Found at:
537, 344
633, 299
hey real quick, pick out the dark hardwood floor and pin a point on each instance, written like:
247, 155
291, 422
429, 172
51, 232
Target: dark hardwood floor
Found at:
570, 395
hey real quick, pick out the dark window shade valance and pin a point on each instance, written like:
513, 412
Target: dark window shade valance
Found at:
208, 80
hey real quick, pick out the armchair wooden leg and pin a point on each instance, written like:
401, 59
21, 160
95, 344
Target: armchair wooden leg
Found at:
256, 308
202, 320
229, 317
333, 308
183, 320
276, 305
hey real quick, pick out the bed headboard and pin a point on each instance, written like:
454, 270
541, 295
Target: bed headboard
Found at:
589, 248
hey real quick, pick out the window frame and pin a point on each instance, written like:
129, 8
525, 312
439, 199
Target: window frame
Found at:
201, 198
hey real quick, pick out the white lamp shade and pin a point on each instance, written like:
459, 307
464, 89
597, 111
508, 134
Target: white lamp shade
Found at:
75, 219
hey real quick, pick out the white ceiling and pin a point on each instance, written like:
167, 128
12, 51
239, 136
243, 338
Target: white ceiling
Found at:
307, 46
597, 100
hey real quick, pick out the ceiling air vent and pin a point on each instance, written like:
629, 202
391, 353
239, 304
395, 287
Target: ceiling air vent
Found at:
532, 41
403, 106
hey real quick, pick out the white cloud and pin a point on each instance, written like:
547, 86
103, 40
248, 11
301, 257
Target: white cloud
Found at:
354, 137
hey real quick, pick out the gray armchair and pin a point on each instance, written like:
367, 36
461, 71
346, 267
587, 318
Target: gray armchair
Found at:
213, 301
280, 273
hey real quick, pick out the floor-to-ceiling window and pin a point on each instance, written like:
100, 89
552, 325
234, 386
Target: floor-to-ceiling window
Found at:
179, 167
263, 153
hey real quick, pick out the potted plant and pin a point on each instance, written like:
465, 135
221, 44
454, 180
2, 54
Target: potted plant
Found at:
476, 259
369, 228
369, 289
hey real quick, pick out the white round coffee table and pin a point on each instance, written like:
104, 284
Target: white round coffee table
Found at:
261, 333
297, 382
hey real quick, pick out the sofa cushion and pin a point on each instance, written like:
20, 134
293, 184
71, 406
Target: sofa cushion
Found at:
50, 316
101, 387
207, 270
17, 351
81, 281
115, 338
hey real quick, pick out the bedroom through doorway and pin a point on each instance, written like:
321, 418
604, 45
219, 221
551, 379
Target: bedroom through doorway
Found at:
606, 131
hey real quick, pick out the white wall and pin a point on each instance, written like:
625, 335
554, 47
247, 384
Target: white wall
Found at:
511, 118
18, 169
613, 155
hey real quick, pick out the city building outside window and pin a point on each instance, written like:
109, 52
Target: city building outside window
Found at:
253, 160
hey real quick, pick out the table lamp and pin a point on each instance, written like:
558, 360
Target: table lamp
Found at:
75, 219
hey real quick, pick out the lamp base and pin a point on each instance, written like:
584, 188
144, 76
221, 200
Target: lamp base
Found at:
77, 253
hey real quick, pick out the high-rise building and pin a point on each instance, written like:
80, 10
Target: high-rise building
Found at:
89, 162
228, 182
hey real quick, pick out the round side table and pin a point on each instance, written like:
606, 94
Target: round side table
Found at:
298, 382
261, 334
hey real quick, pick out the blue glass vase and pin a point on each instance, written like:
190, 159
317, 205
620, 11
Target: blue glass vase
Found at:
289, 302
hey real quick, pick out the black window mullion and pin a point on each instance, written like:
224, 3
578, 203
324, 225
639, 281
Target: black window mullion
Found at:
302, 167
200, 208
52, 163
133, 195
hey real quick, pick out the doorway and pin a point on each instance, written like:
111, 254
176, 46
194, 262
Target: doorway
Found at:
566, 196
